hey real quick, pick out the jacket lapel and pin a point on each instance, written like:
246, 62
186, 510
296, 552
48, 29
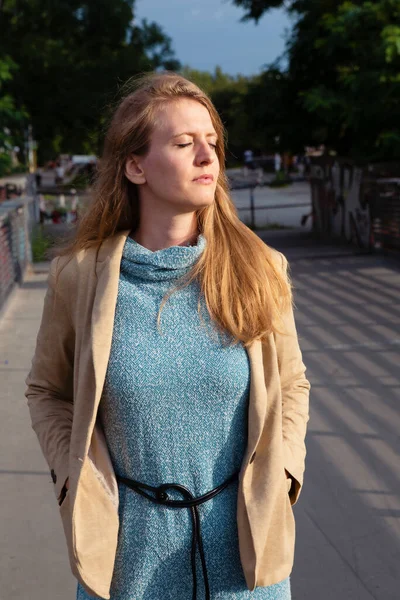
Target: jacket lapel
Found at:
105, 300
258, 392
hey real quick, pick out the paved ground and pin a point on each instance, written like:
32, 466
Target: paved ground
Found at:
348, 515
285, 206
33, 559
348, 523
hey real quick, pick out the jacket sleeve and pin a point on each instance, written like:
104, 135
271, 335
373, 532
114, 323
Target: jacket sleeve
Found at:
50, 383
295, 400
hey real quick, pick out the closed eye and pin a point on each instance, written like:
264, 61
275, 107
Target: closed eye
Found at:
190, 143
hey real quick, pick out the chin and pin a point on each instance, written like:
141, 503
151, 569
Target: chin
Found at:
202, 203
190, 204
205, 199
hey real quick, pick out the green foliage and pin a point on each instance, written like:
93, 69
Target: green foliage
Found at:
252, 109
80, 182
391, 40
218, 81
20, 168
10, 116
256, 8
72, 56
343, 78
5, 164
63, 62
280, 180
41, 244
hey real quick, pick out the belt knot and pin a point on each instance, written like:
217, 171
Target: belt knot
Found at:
161, 497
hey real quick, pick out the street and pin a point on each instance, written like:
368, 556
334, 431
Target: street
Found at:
296, 197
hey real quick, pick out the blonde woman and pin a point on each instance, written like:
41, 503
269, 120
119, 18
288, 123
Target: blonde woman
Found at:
167, 388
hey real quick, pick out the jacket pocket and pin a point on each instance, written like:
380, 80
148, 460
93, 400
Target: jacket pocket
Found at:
66, 518
63, 495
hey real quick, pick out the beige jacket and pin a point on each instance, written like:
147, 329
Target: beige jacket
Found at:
64, 390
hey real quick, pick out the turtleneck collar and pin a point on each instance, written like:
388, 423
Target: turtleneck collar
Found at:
161, 265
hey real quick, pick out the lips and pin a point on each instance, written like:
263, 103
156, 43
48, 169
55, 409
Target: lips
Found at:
206, 177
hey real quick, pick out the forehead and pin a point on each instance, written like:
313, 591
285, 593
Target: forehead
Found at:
183, 116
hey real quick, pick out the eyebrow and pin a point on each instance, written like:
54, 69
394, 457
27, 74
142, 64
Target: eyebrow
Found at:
192, 133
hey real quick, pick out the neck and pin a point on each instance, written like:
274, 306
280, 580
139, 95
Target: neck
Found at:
162, 231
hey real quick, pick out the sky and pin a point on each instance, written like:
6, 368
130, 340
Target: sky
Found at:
207, 33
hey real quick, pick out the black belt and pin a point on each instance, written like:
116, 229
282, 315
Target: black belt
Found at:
161, 497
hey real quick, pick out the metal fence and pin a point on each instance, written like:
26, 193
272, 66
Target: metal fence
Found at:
360, 204
16, 220
252, 207
256, 201
385, 213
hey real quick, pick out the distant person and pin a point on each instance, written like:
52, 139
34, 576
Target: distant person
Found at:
301, 166
60, 171
74, 208
42, 209
286, 162
277, 162
248, 159
38, 179
167, 371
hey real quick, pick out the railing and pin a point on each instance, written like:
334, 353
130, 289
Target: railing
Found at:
360, 204
385, 214
257, 183
252, 207
16, 220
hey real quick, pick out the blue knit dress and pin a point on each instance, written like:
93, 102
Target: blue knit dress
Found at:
174, 409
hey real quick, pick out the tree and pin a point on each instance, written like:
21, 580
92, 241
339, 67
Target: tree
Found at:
251, 109
256, 8
72, 55
10, 117
343, 73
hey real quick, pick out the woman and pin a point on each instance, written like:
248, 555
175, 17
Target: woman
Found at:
167, 389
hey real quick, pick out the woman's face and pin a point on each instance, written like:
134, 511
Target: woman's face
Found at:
181, 167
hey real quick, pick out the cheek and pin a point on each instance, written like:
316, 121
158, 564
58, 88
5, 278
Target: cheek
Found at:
162, 168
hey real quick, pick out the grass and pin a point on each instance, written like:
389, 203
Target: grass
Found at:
281, 180
41, 244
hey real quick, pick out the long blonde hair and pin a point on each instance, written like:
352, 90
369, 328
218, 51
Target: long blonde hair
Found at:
244, 287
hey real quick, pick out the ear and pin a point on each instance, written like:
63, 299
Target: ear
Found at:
134, 171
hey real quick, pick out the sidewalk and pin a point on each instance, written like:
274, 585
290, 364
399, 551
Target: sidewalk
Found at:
301, 243
33, 557
348, 542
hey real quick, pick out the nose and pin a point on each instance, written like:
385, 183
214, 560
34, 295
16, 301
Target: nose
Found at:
205, 154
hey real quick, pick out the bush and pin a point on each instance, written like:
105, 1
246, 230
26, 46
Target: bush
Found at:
79, 182
20, 168
5, 164
41, 244
281, 180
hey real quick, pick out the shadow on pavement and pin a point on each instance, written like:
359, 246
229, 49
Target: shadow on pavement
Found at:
348, 318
